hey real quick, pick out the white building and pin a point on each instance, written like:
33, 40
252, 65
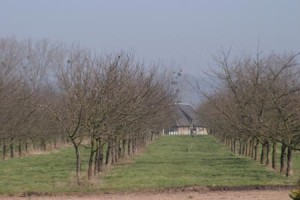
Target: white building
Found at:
185, 121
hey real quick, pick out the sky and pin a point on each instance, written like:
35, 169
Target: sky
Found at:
183, 34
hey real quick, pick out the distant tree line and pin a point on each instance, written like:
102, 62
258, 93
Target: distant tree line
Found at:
253, 106
54, 93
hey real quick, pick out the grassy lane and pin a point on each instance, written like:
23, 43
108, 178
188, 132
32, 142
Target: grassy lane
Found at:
296, 164
174, 161
178, 161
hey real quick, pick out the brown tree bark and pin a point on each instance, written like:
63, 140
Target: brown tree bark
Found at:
113, 152
108, 154
268, 153
244, 148
4, 151
43, 144
78, 162
262, 154
250, 150
129, 148
274, 156
289, 167
234, 146
124, 149
91, 161
26, 146
256, 150
133, 146
20, 149
282, 158
98, 157
12, 155
240, 147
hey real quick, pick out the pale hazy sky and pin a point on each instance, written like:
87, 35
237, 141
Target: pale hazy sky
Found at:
183, 33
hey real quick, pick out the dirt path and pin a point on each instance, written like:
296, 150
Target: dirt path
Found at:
207, 195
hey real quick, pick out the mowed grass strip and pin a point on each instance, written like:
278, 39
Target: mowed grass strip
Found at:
171, 161
179, 161
46, 173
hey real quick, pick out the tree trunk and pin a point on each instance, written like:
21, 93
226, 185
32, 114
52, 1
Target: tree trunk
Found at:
113, 152
120, 146
78, 162
224, 140
108, 154
243, 148
240, 147
96, 161
54, 143
91, 161
282, 158
100, 163
268, 160
253, 148
33, 143
256, 150
124, 148
129, 147
262, 155
234, 146
248, 146
134, 146
12, 150
117, 150
98, 158
250, 152
231, 145
274, 156
20, 148
78, 165
43, 144
4, 151
26, 146
289, 168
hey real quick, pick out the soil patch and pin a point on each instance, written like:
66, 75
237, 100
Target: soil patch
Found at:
280, 194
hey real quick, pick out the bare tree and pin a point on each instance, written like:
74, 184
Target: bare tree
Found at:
253, 104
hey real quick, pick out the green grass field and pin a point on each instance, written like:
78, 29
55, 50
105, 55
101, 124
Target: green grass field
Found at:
179, 161
39, 173
171, 161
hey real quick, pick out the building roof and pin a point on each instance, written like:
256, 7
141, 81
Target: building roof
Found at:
185, 115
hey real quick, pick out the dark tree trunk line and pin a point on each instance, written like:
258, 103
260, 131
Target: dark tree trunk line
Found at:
108, 154
262, 154
91, 159
234, 146
289, 167
98, 157
11, 146
124, 155
274, 156
256, 149
20, 148
283, 158
78, 161
4, 151
129, 147
268, 153
240, 147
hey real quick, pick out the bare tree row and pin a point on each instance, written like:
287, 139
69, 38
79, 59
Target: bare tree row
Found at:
23, 86
255, 106
111, 105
